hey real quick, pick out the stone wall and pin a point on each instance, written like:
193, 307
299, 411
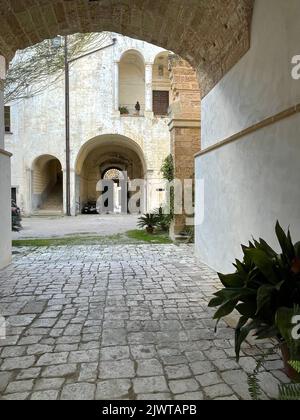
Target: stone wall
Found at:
250, 140
5, 194
211, 35
184, 125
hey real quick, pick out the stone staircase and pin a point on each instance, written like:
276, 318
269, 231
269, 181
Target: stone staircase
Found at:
53, 205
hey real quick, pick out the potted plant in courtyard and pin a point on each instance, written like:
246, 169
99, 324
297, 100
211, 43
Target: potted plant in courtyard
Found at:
124, 110
148, 221
265, 291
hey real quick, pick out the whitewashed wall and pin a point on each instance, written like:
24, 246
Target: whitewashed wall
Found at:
251, 183
5, 195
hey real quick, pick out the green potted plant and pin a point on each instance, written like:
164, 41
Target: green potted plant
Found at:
265, 291
148, 221
123, 110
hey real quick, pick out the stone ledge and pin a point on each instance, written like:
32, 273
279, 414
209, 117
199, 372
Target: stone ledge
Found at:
5, 153
249, 130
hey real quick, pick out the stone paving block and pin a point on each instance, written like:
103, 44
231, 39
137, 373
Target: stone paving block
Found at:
114, 353
150, 385
20, 320
201, 367
53, 359
64, 370
211, 378
5, 378
84, 356
116, 369
181, 386
178, 371
113, 389
155, 397
13, 351
143, 351
88, 372
17, 397
81, 392
149, 367
190, 396
216, 391
49, 395
48, 384
18, 363
29, 373
19, 387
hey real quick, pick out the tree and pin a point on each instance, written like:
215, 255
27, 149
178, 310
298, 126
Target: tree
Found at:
36, 68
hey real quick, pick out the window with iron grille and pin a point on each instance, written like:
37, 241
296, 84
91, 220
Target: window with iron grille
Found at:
7, 119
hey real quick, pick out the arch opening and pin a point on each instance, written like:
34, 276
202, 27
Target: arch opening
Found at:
161, 84
47, 185
132, 84
115, 161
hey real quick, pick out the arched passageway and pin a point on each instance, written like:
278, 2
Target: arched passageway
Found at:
47, 184
212, 36
110, 159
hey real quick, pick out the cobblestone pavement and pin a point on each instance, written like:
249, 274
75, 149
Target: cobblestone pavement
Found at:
122, 322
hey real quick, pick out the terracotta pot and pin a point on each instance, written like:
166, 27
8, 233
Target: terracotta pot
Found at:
289, 371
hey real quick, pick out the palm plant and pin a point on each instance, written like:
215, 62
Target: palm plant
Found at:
148, 221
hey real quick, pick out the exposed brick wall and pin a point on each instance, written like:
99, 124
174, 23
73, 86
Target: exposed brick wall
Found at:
211, 35
185, 123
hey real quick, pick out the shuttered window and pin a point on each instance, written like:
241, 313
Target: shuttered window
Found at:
160, 102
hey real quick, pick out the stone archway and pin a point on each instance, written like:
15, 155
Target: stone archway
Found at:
211, 36
47, 185
103, 154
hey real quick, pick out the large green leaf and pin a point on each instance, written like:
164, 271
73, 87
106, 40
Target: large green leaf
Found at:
297, 249
285, 242
264, 263
265, 247
241, 333
247, 309
264, 296
225, 309
217, 301
231, 280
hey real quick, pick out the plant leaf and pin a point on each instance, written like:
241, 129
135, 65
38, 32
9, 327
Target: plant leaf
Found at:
285, 242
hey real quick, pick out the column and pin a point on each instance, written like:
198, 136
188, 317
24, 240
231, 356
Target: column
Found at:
148, 90
5, 182
116, 87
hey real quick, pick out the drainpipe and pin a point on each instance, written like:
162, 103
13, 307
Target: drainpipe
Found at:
67, 114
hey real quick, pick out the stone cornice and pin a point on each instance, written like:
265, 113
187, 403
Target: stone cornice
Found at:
252, 129
5, 153
184, 123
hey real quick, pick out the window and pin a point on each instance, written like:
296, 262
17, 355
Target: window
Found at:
160, 102
7, 119
14, 194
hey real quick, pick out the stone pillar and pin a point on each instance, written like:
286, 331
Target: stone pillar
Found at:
5, 181
148, 90
116, 88
185, 129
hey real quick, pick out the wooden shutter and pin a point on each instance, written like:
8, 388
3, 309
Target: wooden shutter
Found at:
160, 102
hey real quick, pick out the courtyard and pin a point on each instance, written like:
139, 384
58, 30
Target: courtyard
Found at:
119, 322
82, 225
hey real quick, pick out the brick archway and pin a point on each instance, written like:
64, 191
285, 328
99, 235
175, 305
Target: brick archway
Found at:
212, 36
